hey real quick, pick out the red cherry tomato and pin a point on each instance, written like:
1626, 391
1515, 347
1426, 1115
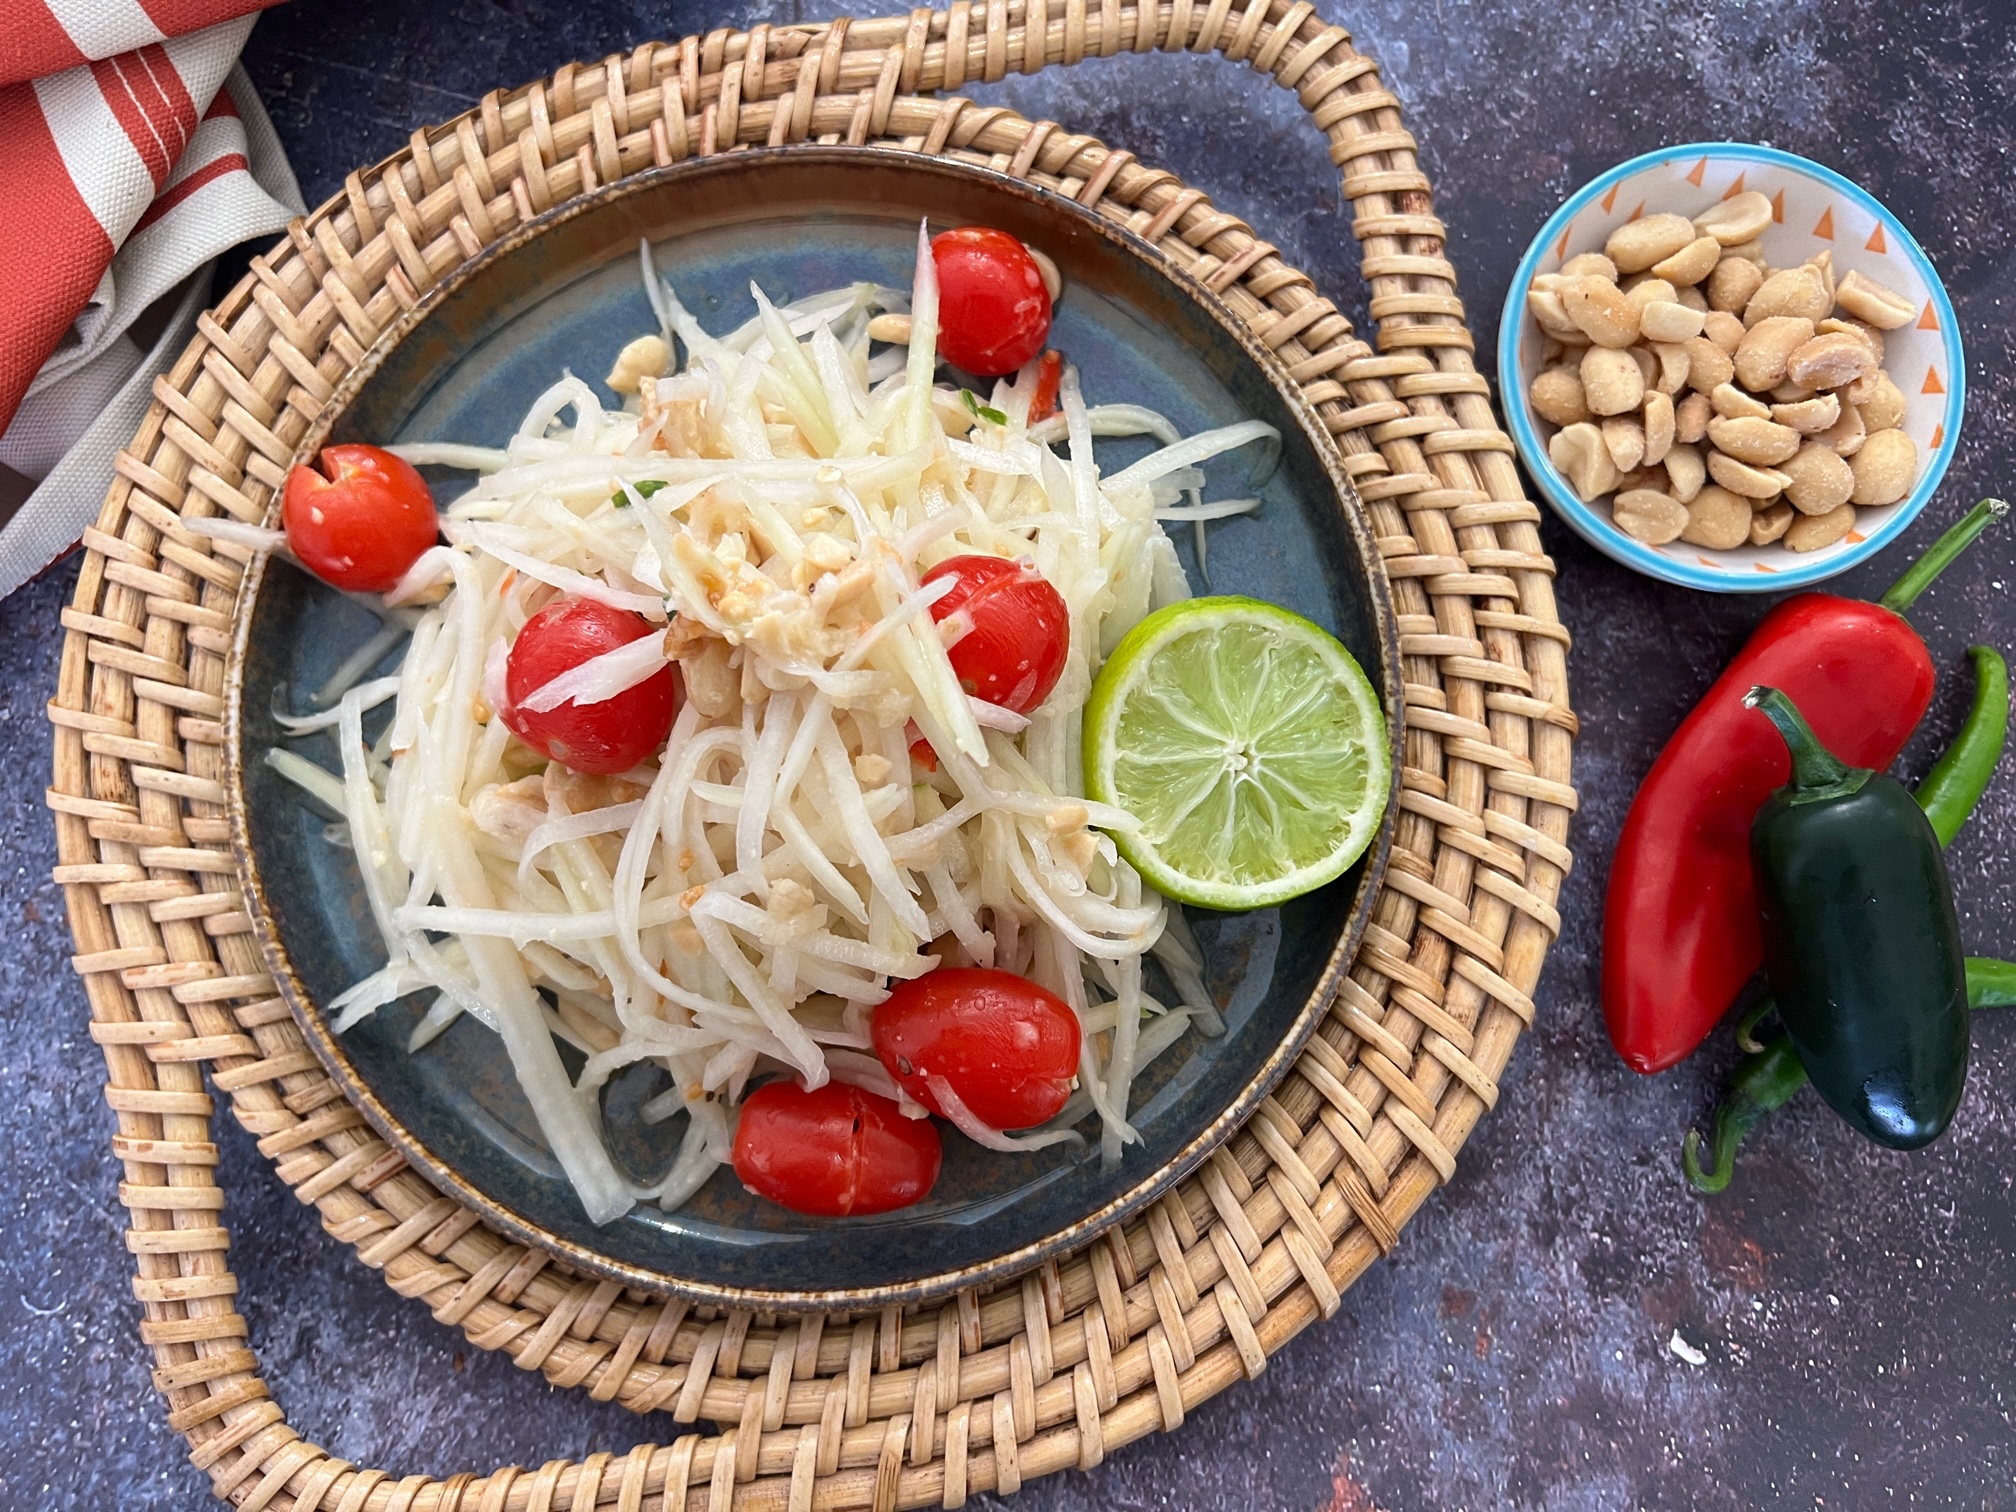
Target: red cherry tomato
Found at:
993, 311
360, 521
607, 737
833, 1152
1015, 632
1008, 1047
1049, 376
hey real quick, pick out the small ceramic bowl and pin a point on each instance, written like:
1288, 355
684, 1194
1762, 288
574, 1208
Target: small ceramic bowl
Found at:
1815, 209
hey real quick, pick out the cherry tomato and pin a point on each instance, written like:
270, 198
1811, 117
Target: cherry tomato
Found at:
1049, 375
833, 1152
993, 311
360, 521
607, 737
1008, 1047
1014, 632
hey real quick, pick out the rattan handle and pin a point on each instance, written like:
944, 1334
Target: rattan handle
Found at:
886, 1410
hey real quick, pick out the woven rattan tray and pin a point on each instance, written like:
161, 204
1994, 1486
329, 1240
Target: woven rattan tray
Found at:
897, 1408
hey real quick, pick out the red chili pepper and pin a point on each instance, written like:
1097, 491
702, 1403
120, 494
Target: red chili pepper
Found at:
1680, 932
1049, 376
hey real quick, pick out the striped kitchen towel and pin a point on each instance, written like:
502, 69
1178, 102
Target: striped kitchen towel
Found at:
136, 152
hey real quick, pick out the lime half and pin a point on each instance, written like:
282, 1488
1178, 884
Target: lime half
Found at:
1247, 742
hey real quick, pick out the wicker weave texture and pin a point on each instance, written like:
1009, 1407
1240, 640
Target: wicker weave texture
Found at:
899, 1408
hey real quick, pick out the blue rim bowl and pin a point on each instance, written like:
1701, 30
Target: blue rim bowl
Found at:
1786, 569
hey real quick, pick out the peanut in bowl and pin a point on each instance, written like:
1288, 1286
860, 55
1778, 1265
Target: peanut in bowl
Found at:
1730, 368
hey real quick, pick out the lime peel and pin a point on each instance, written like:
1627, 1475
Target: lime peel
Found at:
1250, 745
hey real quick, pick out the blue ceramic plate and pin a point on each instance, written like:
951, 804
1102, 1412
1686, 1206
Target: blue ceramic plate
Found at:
565, 294
1815, 209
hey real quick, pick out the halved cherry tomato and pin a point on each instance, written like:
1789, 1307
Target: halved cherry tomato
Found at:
1049, 376
833, 1152
1008, 1047
360, 521
993, 311
607, 737
1013, 630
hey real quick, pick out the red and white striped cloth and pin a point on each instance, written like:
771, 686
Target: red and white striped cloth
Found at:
135, 153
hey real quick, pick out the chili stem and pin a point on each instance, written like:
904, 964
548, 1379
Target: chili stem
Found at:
1920, 574
1817, 772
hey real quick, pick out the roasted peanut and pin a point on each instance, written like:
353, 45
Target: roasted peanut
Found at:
1789, 392
1793, 292
1691, 263
1668, 320
1557, 396
1589, 265
1846, 435
1870, 336
1808, 416
1822, 264
1549, 312
1732, 283
1820, 480
1643, 476
1880, 401
1811, 532
1658, 423
1691, 296
1579, 455
1752, 439
646, 357
1724, 329
1708, 366
1648, 364
1685, 472
1829, 361
1654, 518
1731, 403
1766, 347
1602, 312
1624, 438
1675, 366
1690, 418
1771, 522
1866, 299
1740, 218
1884, 468
1638, 244
1612, 383
1749, 251
1717, 519
1646, 289
1742, 478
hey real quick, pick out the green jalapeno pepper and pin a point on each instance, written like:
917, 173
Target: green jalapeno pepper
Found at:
1772, 1075
1764, 1082
1861, 939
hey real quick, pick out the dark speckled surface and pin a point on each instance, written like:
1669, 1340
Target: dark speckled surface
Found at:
1857, 1309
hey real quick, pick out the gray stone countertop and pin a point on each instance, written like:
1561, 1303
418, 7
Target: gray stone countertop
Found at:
1856, 1308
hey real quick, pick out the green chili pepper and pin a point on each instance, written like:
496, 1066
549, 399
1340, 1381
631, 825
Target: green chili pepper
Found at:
1761, 1084
1861, 939
1958, 778
1766, 1081
644, 491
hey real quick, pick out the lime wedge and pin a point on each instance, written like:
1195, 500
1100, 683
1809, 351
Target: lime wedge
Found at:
1247, 742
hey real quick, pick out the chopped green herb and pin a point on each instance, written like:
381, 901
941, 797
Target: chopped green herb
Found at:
981, 411
644, 491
